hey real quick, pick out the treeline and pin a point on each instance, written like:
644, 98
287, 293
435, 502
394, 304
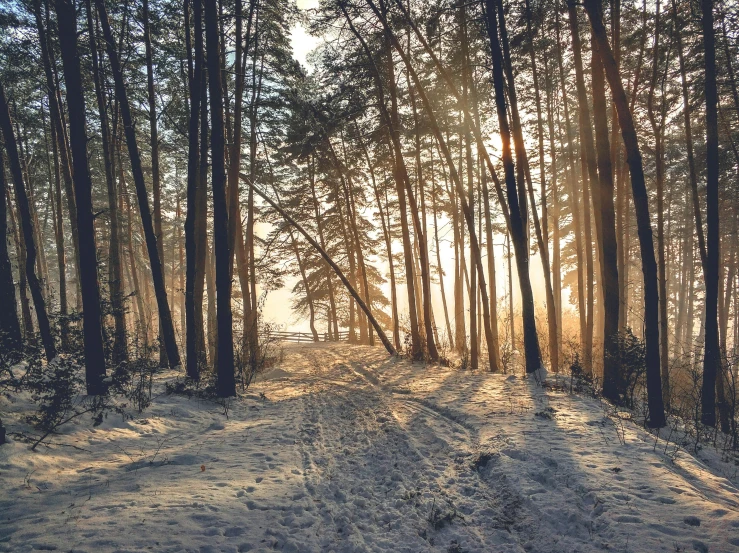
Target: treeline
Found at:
168, 163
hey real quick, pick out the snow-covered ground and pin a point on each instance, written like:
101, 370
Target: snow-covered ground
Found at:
352, 451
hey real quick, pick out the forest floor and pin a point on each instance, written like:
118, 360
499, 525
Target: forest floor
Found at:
342, 448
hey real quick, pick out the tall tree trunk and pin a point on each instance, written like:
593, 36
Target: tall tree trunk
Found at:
612, 385
319, 218
388, 242
421, 230
401, 177
26, 222
532, 352
543, 233
641, 205
11, 340
556, 246
711, 358
454, 174
137, 289
155, 177
658, 130
91, 316
439, 266
20, 249
466, 93
115, 273
55, 114
226, 383
574, 201
194, 323
61, 256
165, 316
252, 315
589, 178
202, 250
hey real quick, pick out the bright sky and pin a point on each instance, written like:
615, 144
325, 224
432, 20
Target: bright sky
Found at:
302, 42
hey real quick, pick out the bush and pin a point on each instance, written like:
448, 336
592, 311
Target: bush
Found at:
56, 388
633, 367
134, 380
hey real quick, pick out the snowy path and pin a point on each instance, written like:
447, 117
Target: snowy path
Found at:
353, 451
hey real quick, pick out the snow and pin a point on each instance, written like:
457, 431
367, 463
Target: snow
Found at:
349, 450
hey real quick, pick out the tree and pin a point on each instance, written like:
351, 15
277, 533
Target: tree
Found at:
160, 290
711, 355
194, 341
641, 205
11, 339
226, 383
92, 323
26, 222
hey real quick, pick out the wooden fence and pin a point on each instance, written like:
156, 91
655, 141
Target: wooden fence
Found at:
298, 337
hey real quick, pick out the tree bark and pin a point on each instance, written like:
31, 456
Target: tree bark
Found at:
92, 318
26, 223
120, 345
641, 205
11, 340
711, 356
226, 384
612, 386
193, 324
165, 316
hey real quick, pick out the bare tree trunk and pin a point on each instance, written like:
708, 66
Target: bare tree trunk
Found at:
165, 316
138, 291
575, 203
226, 383
589, 179
641, 204
155, 178
120, 346
711, 359
11, 339
26, 222
612, 385
532, 352
556, 247
60, 249
92, 317
194, 340
440, 269
421, 230
658, 130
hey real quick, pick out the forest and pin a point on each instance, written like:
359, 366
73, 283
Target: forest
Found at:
442, 196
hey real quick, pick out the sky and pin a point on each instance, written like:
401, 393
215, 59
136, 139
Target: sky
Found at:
301, 41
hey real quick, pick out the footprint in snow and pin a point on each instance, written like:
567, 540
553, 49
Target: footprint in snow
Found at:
692, 521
